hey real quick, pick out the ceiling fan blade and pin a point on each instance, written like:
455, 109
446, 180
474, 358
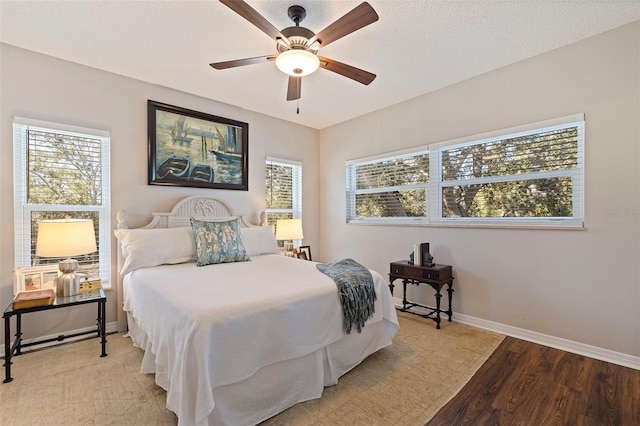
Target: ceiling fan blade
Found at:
294, 89
361, 76
242, 62
251, 15
359, 17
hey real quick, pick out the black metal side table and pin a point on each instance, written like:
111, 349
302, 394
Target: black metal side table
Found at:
91, 296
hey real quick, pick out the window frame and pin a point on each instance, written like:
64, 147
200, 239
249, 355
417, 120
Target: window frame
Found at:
434, 201
296, 187
352, 191
23, 209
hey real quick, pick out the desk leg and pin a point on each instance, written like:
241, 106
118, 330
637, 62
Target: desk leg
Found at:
18, 343
450, 291
391, 286
438, 296
102, 325
7, 350
404, 294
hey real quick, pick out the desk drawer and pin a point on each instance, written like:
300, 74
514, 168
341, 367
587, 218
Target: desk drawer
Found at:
435, 272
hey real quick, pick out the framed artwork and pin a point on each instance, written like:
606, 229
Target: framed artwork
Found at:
35, 278
190, 148
305, 251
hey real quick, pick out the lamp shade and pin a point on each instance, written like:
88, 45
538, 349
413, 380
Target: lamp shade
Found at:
289, 229
65, 238
297, 62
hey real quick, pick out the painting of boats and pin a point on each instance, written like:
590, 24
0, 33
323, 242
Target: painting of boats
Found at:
190, 148
173, 167
227, 156
180, 131
227, 149
201, 173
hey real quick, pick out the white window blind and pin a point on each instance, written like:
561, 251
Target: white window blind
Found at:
529, 176
61, 171
394, 186
283, 190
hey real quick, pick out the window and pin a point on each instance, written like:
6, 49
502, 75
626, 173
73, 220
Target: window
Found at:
389, 187
61, 171
283, 190
527, 176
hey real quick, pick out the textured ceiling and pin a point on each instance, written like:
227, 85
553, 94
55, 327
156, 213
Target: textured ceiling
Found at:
416, 46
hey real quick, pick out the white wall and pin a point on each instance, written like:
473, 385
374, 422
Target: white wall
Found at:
46, 88
578, 285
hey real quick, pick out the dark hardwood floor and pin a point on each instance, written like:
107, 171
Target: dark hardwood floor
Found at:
523, 383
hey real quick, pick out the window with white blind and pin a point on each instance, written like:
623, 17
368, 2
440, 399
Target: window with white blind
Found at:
388, 187
525, 177
283, 190
61, 171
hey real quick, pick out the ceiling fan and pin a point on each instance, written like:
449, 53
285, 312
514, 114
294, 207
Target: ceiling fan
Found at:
298, 46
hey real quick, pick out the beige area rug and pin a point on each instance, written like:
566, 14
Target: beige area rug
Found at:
404, 384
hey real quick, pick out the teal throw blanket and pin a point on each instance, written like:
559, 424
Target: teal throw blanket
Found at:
356, 290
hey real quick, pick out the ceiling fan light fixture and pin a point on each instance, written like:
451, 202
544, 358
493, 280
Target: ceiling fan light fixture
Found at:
297, 62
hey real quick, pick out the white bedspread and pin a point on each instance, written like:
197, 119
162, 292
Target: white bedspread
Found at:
219, 324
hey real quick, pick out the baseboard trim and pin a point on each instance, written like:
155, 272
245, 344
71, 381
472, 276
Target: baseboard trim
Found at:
595, 352
111, 327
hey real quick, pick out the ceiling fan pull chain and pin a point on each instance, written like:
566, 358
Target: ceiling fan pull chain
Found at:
297, 106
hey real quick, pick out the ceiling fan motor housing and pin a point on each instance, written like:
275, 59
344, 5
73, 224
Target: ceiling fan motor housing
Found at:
298, 37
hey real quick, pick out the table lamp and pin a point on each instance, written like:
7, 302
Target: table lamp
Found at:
66, 238
288, 230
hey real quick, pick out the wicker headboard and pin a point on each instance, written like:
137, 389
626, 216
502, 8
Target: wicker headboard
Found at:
196, 206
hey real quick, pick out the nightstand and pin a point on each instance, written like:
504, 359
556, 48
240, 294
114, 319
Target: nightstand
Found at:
437, 276
90, 293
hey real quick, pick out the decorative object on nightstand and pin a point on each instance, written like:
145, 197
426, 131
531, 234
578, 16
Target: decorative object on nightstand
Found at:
30, 299
306, 250
66, 238
420, 255
289, 230
90, 285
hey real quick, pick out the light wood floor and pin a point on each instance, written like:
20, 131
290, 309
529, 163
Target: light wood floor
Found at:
523, 383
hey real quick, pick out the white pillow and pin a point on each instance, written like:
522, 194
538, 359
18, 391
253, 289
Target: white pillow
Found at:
259, 240
142, 248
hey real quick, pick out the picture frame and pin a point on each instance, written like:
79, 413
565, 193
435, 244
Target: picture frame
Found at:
306, 251
301, 255
194, 149
35, 278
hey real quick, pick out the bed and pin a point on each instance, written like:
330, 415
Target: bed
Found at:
235, 343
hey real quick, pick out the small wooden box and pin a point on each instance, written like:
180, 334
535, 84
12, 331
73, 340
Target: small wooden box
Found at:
31, 299
90, 285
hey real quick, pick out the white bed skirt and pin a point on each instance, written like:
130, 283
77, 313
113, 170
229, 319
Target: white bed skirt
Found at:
279, 386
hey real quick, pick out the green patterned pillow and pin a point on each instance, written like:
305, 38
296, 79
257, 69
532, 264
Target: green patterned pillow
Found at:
218, 242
